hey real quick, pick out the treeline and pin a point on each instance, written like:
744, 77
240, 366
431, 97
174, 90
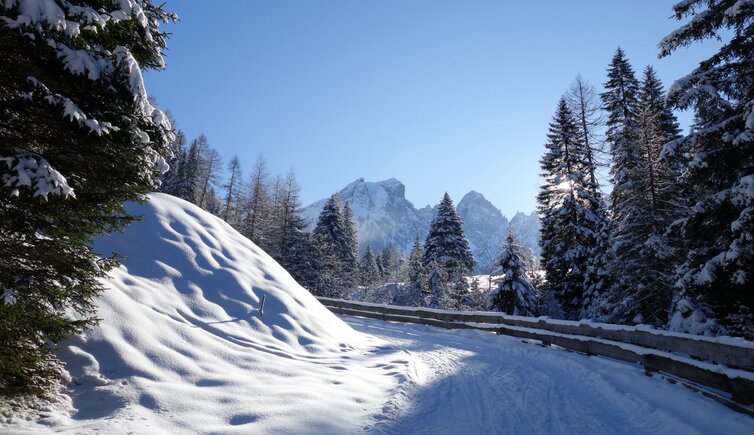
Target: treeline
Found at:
671, 245
327, 261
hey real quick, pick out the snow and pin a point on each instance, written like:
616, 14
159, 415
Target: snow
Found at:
465, 381
34, 172
183, 348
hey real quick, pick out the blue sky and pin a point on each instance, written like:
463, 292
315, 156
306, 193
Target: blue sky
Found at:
443, 95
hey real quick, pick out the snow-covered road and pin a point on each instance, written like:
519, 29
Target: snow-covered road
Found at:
465, 381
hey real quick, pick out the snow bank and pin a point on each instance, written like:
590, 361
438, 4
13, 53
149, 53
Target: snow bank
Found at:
184, 346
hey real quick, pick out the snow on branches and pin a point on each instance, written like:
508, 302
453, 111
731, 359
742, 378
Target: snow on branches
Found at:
32, 171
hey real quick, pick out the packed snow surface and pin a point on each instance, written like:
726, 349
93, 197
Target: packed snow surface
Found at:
183, 347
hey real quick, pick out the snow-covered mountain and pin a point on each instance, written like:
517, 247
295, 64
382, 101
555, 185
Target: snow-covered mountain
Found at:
385, 217
382, 213
484, 226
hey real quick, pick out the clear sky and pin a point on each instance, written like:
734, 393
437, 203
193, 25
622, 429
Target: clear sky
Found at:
442, 95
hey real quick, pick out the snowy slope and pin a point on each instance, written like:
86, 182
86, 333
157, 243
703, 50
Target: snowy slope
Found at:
183, 346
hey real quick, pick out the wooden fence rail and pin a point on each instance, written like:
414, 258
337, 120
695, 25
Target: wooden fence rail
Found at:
723, 364
730, 352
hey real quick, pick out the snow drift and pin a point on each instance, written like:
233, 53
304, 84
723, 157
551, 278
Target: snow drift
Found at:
184, 344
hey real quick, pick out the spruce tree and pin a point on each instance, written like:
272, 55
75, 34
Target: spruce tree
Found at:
351, 247
568, 211
447, 249
332, 246
416, 287
295, 253
514, 294
77, 139
716, 275
368, 272
632, 218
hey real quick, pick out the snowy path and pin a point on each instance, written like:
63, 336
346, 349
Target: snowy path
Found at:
464, 381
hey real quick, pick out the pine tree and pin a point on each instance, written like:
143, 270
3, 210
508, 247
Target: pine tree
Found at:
77, 139
715, 278
515, 294
447, 249
568, 211
416, 287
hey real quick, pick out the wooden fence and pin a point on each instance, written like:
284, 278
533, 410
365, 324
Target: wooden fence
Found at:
724, 364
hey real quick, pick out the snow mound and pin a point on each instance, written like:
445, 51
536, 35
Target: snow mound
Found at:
184, 346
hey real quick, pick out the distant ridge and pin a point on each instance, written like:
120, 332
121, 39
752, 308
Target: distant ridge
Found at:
385, 217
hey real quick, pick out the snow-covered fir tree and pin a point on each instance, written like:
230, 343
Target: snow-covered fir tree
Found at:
514, 294
415, 289
714, 285
334, 249
438, 282
568, 210
78, 138
295, 251
447, 256
368, 272
351, 248
632, 217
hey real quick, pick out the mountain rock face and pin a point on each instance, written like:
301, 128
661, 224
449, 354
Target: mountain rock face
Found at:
384, 217
484, 226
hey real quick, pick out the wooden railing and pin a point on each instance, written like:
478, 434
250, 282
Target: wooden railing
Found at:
722, 363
